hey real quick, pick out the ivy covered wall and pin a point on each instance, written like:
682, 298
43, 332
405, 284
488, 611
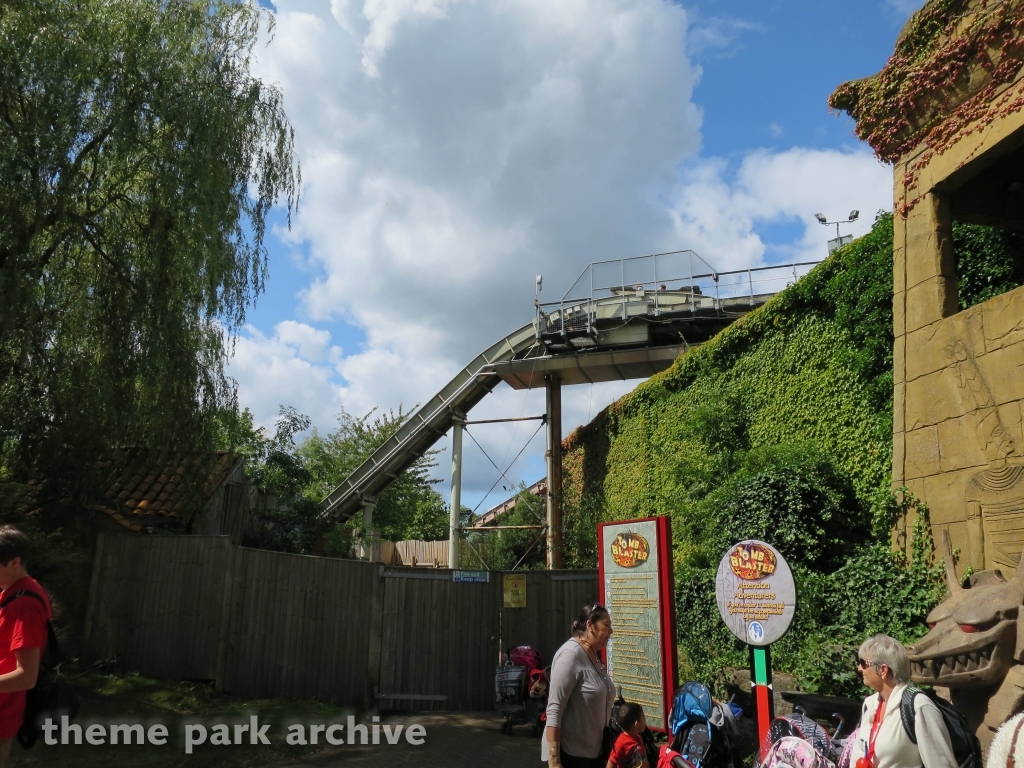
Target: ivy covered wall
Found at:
779, 428
814, 364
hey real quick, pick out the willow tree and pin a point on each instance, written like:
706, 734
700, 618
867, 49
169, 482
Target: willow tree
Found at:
139, 160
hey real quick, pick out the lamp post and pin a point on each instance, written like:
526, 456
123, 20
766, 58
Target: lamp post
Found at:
839, 241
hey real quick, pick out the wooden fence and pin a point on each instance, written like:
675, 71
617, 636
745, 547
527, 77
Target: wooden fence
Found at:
272, 624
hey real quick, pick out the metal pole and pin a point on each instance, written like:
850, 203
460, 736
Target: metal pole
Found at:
454, 524
371, 547
553, 385
690, 258
622, 274
750, 279
657, 288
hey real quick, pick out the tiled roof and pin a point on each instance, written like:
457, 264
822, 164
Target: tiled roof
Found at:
143, 486
21, 497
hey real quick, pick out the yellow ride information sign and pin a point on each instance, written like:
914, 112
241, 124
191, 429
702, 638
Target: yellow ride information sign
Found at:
515, 590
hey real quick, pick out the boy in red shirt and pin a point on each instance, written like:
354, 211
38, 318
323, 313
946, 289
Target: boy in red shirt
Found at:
629, 751
22, 634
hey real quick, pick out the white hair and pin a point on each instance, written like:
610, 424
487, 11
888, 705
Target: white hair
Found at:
882, 649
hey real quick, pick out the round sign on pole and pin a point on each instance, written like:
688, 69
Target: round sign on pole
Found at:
756, 592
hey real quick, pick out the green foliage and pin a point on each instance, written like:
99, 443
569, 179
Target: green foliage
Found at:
780, 428
140, 159
989, 261
790, 495
410, 508
522, 549
292, 480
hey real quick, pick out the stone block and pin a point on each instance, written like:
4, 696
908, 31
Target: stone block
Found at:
899, 360
899, 263
928, 349
931, 399
899, 409
959, 447
945, 494
929, 247
899, 452
899, 314
930, 301
1003, 372
954, 163
922, 457
1004, 320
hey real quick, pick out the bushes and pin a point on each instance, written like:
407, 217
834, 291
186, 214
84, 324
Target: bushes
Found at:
779, 428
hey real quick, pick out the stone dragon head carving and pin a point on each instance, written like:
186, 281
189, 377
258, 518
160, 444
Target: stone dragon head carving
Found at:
974, 638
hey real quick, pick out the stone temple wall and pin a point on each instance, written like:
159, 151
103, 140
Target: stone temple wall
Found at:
958, 439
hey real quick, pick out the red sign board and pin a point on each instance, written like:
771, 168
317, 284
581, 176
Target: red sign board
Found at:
635, 562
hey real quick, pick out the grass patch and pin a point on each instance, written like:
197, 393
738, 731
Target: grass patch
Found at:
129, 698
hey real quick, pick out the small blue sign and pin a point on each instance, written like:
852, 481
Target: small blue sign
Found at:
755, 631
471, 577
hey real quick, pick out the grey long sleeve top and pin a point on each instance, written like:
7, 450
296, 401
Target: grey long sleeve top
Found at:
893, 747
580, 699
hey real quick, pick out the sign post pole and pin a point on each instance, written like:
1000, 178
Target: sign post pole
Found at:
756, 597
761, 687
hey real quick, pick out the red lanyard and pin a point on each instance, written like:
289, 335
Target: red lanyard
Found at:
869, 760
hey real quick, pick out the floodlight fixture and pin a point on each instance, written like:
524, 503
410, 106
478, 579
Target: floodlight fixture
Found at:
840, 240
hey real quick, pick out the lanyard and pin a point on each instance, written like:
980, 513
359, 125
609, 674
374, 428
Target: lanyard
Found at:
869, 760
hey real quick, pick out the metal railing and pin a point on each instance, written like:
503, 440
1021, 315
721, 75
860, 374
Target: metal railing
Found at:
673, 283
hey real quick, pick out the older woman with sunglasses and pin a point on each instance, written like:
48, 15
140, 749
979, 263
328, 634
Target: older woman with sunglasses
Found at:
882, 741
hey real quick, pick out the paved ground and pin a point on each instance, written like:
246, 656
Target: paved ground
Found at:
453, 740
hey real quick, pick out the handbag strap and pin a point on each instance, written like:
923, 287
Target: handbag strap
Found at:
56, 656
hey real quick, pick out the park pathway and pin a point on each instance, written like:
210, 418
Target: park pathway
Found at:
453, 740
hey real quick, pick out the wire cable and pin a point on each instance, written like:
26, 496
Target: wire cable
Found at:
500, 473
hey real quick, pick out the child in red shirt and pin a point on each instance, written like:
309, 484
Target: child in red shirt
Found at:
629, 751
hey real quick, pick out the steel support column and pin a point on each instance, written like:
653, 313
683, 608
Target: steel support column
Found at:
370, 548
553, 387
458, 424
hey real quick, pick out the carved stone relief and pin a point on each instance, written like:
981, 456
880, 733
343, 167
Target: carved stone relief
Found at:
995, 496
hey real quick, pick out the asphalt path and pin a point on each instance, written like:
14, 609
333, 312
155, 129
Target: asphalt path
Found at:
453, 740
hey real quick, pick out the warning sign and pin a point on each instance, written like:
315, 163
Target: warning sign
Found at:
515, 590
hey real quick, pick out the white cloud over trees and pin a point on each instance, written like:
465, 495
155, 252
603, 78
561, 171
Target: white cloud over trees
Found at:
451, 149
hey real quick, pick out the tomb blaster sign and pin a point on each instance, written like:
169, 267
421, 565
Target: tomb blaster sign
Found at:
756, 592
757, 599
635, 567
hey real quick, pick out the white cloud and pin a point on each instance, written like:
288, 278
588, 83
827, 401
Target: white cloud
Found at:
451, 149
296, 366
718, 210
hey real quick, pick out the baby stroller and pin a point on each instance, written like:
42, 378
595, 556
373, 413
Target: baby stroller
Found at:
818, 749
521, 689
695, 739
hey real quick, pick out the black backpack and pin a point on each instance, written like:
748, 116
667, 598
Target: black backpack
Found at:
51, 697
966, 747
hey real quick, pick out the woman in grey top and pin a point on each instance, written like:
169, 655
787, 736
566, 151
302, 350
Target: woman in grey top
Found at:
580, 695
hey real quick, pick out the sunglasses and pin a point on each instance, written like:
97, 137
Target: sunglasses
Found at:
864, 664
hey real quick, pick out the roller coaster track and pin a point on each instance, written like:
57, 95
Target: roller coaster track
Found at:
424, 427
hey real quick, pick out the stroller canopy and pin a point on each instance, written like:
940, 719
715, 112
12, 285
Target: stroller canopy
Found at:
692, 703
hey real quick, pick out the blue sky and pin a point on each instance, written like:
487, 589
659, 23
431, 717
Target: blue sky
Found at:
451, 149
